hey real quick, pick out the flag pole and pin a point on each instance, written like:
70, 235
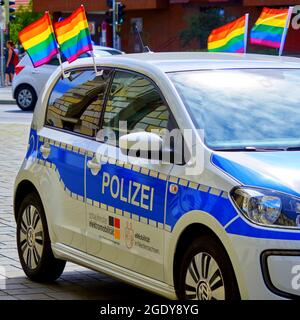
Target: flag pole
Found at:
64, 75
286, 28
98, 73
246, 32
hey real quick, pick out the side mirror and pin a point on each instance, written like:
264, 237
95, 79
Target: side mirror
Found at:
140, 144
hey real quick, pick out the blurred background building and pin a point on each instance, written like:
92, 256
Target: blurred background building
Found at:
168, 25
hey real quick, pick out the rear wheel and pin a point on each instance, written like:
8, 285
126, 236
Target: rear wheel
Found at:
206, 272
33, 242
26, 98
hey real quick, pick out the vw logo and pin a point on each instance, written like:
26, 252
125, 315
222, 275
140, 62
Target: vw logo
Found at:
204, 291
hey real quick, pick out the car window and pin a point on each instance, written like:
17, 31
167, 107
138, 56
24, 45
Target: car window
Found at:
55, 62
75, 103
135, 100
242, 108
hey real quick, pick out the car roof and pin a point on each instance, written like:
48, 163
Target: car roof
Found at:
96, 47
186, 61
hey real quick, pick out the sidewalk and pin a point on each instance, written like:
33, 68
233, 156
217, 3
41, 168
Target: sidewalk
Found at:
6, 95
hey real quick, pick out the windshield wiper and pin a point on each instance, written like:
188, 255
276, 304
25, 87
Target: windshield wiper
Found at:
251, 149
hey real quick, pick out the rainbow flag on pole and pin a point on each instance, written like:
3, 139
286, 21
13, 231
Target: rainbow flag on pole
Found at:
73, 35
39, 41
231, 37
269, 28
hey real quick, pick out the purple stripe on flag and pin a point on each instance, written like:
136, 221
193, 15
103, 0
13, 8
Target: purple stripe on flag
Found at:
82, 50
240, 50
46, 59
268, 43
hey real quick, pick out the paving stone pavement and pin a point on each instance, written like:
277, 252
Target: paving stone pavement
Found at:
76, 282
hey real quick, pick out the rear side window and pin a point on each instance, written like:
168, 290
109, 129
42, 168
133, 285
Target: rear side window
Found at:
76, 103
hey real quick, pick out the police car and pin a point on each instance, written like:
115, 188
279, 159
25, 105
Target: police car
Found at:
175, 172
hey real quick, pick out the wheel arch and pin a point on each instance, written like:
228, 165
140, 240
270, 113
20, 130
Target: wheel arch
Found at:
24, 188
189, 227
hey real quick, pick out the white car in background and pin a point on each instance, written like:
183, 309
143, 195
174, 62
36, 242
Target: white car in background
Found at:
29, 82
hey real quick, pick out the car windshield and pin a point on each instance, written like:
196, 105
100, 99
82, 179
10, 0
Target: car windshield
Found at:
244, 108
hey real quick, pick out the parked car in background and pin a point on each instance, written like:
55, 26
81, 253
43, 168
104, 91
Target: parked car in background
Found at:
29, 82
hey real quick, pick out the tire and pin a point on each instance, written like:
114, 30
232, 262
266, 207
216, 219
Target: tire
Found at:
26, 97
206, 272
33, 242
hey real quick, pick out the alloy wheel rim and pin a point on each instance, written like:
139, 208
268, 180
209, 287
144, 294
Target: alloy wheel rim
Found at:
204, 280
31, 237
25, 98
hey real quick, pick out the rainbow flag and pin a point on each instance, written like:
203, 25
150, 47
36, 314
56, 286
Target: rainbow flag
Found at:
73, 35
39, 41
230, 37
269, 28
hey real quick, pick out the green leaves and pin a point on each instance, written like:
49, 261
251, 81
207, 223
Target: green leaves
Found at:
24, 16
201, 24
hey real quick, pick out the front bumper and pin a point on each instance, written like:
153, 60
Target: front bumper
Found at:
266, 269
281, 272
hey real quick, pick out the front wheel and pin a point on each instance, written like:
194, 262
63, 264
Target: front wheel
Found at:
33, 242
206, 272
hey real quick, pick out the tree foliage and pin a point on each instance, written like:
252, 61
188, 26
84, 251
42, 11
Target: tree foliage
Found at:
200, 25
24, 16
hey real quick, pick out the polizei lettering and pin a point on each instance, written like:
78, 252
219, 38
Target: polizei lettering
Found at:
131, 192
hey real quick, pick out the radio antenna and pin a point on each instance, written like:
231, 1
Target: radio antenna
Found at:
146, 49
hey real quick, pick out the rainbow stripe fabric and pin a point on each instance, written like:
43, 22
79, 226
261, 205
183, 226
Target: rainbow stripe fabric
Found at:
269, 28
39, 41
73, 35
228, 38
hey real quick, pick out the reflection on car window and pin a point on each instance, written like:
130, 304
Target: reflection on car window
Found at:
136, 100
76, 103
243, 108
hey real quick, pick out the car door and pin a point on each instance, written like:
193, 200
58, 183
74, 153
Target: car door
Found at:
72, 118
126, 195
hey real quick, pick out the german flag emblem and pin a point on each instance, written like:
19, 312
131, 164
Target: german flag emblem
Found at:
115, 223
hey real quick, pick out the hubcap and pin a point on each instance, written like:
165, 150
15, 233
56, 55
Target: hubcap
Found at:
25, 98
31, 237
204, 280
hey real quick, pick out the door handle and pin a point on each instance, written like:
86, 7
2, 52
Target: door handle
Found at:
45, 150
94, 166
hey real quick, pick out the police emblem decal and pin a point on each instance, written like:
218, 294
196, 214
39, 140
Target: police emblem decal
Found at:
129, 235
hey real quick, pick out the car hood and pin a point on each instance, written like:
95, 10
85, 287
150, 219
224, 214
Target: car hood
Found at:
279, 170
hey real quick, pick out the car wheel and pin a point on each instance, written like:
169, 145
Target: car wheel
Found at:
26, 98
33, 242
206, 272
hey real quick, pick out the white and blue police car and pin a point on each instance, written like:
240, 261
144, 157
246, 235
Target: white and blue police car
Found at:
176, 172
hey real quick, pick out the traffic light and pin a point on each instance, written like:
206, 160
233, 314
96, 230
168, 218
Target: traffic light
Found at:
120, 13
11, 10
2, 14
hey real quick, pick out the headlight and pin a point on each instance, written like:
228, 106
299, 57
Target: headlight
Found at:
267, 207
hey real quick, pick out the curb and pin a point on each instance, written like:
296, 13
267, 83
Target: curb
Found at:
11, 102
